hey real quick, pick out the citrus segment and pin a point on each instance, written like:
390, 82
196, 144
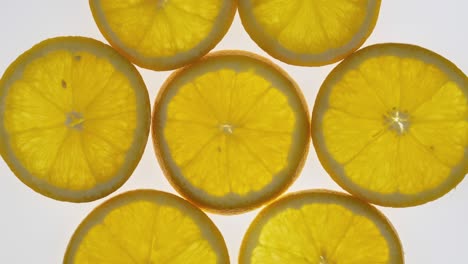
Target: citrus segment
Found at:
146, 226
230, 131
75, 120
309, 33
163, 34
390, 125
320, 227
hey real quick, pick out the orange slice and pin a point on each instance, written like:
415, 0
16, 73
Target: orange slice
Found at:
309, 32
162, 34
146, 226
390, 125
75, 118
320, 227
231, 131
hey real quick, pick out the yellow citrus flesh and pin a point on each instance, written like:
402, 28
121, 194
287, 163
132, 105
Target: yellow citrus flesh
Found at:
146, 226
320, 227
231, 131
390, 125
75, 118
309, 32
163, 34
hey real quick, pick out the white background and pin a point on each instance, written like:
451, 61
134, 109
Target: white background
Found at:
36, 229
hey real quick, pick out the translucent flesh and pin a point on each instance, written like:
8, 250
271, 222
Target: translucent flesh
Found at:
230, 131
310, 27
373, 154
161, 28
321, 233
142, 231
70, 118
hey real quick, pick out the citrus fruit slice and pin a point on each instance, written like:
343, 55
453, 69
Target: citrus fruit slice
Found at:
309, 32
75, 118
230, 131
390, 125
146, 226
320, 227
163, 34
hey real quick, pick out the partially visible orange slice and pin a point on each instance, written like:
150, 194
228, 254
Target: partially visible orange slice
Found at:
309, 32
146, 226
320, 227
163, 34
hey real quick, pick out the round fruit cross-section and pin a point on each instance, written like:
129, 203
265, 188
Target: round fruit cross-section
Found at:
75, 118
390, 125
230, 131
146, 226
320, 227
163, 34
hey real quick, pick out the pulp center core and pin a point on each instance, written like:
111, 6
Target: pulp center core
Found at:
227, 128
397, 121
74, 120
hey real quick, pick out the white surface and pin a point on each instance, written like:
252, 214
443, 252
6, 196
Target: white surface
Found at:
36, 229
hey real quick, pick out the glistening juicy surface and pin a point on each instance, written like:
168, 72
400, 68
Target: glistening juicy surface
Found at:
232, 128
147, 227
320, 228
394, 123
